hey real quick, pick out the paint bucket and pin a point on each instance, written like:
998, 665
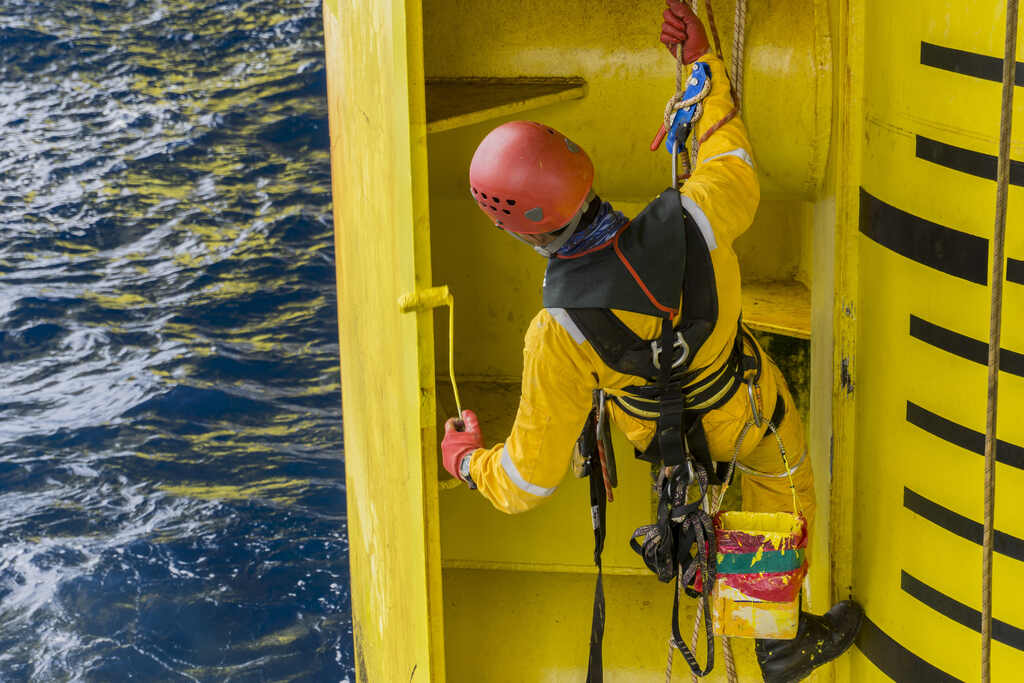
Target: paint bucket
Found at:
761, 566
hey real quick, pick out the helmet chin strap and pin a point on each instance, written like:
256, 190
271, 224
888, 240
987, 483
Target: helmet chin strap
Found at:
551, 248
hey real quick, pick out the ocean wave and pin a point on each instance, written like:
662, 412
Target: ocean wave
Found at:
171, 477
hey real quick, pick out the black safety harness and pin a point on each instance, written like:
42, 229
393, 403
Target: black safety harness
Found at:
661, 255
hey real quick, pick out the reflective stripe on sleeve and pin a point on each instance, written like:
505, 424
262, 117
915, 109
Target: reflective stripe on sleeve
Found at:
697, 214
513, 474
738, 152
563, 319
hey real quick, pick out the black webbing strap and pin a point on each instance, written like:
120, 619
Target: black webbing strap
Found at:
598, 508
666, 547
696, 524
671, 403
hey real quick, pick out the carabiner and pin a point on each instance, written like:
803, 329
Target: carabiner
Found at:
758, 420
675, 164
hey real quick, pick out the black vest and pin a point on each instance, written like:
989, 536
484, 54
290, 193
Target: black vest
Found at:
659, 256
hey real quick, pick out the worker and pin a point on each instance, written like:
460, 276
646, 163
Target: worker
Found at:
537, 185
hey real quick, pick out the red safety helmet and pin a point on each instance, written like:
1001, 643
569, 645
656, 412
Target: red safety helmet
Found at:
529, 178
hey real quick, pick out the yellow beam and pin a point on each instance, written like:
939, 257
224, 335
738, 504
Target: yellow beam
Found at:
849, 63
779, 306
378, 170
456, 102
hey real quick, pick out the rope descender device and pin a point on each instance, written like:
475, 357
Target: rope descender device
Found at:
429, 299
682, 110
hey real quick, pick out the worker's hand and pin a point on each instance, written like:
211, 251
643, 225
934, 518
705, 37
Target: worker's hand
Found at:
458, 443
682, 28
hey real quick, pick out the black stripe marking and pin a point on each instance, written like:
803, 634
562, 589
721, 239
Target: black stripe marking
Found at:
896, 661
964, 527
964, 346
967, 63
966, 160
1015, 271
959, 612
936, 246
958, 435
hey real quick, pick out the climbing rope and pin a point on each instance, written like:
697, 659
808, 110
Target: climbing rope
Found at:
714, 27
730, 664
995, 325
677, 101
674, 104
739, 39
739, 32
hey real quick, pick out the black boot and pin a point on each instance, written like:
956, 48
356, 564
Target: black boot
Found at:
818, 640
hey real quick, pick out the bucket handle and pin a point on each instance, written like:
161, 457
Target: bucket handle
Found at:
735, 455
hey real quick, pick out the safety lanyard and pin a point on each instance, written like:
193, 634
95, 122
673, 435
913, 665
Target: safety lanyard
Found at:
598, 508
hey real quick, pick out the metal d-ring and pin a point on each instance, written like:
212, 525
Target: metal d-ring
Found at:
679, 343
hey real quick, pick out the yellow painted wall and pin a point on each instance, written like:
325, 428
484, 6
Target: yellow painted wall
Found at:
915, 394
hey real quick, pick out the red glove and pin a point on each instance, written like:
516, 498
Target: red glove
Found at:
682, 27
458, 444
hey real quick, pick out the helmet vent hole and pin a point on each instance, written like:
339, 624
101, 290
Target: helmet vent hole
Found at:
483, 195
474, 190
506, 212
496, 200
551, 131
494, 208
510, 202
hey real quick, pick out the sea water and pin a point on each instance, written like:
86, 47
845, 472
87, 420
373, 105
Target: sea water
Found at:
172, 503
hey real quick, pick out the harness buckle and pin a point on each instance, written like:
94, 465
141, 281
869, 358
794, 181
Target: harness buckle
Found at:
679, 343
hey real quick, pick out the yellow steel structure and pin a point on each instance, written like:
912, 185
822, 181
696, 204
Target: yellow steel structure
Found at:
927, 206
378, 160
874, 126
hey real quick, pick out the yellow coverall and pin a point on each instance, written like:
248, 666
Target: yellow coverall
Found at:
561, 369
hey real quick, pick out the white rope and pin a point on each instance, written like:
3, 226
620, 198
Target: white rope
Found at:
673, 105
995, 324
739, 32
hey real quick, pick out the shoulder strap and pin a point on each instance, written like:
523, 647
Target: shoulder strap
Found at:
619, 347
624, 351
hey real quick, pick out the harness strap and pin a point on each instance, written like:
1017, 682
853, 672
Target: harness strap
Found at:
707, 394
665, 547
671, 405
594, 446
598, 508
